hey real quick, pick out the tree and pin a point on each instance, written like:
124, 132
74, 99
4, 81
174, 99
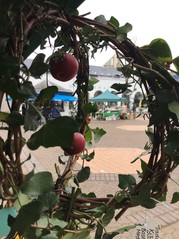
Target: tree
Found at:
48, 210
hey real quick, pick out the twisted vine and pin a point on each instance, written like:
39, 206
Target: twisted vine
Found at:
153, 77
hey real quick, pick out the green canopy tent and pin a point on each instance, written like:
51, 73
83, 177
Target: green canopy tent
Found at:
106, 96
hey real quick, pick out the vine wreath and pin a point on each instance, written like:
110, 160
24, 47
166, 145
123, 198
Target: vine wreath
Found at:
27, 27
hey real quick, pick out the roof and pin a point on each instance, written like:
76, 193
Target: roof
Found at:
104, 71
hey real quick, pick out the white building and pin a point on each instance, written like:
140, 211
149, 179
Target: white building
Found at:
106, 75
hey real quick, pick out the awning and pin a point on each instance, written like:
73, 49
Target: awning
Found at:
106, 96
57, 97
60, 97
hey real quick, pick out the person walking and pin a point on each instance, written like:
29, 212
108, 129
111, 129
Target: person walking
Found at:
55, 111
134, 107
46, 112
124, 111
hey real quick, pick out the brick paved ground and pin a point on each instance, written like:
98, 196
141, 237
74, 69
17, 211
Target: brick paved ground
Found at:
124, 141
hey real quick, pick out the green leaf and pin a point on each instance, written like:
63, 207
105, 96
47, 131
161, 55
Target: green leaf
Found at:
89, 195
164, 96
101, 18
149, 132
32, 117
98, 211
172, 142
163, 197
88, 134
99, 231
114, 22
49, 200
28, 90
84, 234
90, 87
91, 34
126, 181
88, 157
174, 107
110, 235
15, 119
24, 91
159, 49
175, 197
79, 235
68, 236
90, 108
63, 39
83, 174
9, 65
120, 87
98, 133
11, 88
120, 196
93, 80
147, 74
38, 66
38, 184
122, 36
125, 29
22, 199
46, 94
160, 114
4, 116
35, 38
143, 198
108, 216
121, 32
57, 132
31, 213
143, 165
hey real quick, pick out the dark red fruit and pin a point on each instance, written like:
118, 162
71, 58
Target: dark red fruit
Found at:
63, 67
78, 144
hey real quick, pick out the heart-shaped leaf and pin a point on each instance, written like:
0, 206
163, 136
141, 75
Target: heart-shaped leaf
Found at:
57, 132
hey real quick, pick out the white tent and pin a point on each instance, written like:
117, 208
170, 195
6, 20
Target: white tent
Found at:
40, 84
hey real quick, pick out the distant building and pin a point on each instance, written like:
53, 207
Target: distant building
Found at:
106, 75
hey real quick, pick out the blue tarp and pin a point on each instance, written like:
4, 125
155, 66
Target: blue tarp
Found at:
60, 97
176, 77
57, 97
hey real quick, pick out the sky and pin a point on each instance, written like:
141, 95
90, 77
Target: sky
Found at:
150, 20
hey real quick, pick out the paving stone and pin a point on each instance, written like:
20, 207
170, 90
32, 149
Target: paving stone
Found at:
123, 142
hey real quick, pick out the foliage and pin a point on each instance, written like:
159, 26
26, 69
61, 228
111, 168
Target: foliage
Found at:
48, 209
